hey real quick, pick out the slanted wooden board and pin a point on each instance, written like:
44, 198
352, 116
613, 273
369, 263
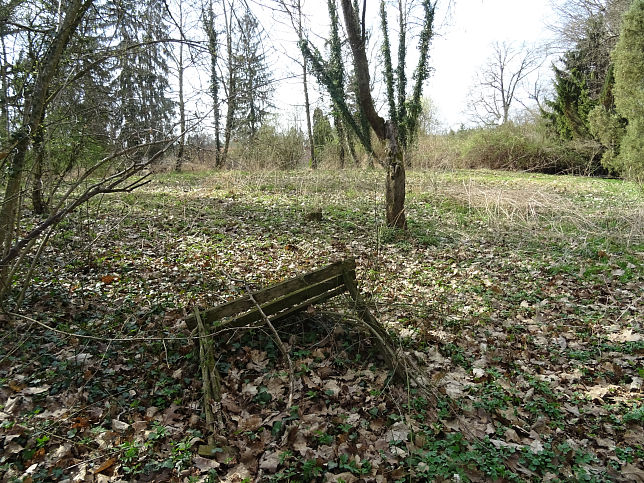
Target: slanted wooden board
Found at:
272, 304
281, 300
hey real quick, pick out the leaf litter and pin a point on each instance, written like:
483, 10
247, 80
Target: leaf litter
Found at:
527, 320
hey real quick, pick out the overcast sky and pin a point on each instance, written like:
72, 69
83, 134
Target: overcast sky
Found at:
463, 42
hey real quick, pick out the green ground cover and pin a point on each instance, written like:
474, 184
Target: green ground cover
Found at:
521, 296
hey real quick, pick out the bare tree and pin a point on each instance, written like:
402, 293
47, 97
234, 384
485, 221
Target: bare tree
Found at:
33, 114
181, 68
573, 15
394, 132
307, 104
230, 87
47, 81
496, 84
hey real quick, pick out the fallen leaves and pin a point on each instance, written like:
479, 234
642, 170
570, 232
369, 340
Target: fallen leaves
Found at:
531, 335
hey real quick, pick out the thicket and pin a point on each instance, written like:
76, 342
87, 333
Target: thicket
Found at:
511, 146
599, 90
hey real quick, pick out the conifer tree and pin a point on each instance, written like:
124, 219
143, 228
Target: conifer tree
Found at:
143, 108
254, 78
629, 90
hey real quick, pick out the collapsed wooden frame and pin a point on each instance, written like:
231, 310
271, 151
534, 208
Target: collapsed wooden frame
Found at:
270, 305
281, 300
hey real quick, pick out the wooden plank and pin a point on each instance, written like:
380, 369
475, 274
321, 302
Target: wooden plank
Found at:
268, 294
253, 318
297, 300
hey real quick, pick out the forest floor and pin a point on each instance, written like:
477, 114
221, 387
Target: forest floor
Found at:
521, 296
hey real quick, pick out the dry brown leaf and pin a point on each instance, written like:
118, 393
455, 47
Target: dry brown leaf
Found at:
270, 461
340, 477
634, 436
633, 473
249, 423
205, 464
108, 279
105, 465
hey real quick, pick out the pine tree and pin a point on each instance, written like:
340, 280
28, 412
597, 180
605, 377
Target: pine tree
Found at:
322, 131
143, 109
254, 79
581, 80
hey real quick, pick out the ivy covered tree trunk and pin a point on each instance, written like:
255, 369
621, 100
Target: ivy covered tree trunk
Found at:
395, 182
388, 132
37, 201
208, 19
402, 125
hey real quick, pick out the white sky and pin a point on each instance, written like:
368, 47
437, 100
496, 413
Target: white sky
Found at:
465, 43
464, 37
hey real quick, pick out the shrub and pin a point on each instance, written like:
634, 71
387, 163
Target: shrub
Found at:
519, 147
629, 90
271, 149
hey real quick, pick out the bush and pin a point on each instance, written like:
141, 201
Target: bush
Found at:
629, 90
271, 149
518, 147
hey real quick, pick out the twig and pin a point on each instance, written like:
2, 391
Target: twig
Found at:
125, 339
276, 337
280, 345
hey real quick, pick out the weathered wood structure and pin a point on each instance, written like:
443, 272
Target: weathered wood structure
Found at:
270, 305
281, 300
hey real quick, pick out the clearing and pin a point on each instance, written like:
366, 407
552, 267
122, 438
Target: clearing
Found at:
521, 295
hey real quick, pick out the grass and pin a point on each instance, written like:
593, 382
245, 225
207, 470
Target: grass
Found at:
520, 295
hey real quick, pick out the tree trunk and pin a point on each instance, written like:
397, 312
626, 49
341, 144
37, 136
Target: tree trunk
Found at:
232, 89
34, 112
38, 203
395, 182
10, 206
339, 128
182, 105
4, 94
182, 109
395, 195
307, 108
307, 105
228, 129
352, 148
211, 33
361, 68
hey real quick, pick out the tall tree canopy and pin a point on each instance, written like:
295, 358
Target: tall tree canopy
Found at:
254, 79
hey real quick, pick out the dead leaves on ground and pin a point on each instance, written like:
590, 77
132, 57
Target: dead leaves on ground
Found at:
535, 338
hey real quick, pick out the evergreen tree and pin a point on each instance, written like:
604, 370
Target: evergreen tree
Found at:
580, 81
143, 109
322, 131
254, 80
629, 90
